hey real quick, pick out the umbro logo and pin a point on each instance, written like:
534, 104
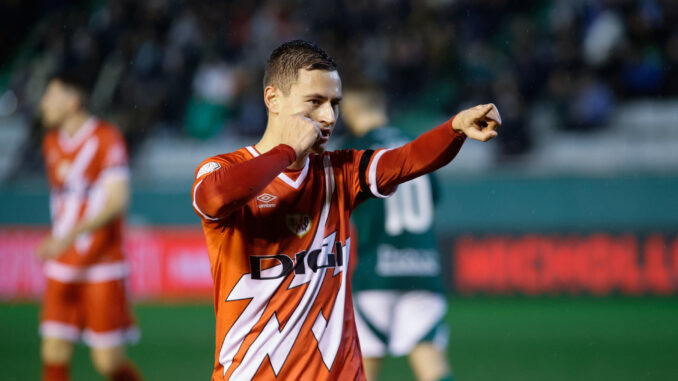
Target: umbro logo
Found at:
265, 200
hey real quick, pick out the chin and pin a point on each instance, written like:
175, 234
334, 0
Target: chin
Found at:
49, 125
320, 146
318, 149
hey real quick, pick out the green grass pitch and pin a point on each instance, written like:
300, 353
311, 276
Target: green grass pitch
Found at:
491, 339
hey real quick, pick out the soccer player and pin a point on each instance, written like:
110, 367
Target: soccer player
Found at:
276, 220
397, 283
86, 162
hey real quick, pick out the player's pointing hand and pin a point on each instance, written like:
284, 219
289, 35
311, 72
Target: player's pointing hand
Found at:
479, 123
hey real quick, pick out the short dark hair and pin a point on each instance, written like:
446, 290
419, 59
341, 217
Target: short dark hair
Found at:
282, 68
76, 80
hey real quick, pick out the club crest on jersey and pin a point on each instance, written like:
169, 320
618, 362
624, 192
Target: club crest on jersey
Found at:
264, 200
299, 224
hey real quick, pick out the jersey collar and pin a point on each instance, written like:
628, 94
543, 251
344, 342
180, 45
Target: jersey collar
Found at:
282, 176
69, 143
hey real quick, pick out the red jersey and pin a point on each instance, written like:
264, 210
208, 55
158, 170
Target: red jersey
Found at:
279, 252
282, 293
77, 167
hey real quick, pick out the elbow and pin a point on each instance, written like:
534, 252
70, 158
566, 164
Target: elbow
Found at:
214, 207
209, 207
206, 202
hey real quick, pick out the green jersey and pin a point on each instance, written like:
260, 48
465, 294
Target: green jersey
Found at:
396, 247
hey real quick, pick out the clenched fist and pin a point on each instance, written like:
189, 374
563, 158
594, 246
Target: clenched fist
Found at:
300, 133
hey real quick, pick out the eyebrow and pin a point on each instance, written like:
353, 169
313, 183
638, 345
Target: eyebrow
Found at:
320, 96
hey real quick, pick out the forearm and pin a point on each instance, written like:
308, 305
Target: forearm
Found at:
110, 212
118, 195
229, 188
427, 153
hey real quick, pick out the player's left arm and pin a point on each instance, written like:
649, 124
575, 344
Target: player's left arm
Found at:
118, 195
431, 150
117, 200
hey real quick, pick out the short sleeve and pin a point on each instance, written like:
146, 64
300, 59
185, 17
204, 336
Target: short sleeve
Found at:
114, 161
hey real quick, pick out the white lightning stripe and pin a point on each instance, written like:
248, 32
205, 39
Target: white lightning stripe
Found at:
96, 201
329, 192
328, 333
275, 343
271, 341
318, 238
259, 292
75, 186
373, 175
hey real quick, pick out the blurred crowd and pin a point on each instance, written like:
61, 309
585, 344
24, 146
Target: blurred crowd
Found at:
194, 68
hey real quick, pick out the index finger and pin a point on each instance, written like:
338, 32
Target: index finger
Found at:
480, 112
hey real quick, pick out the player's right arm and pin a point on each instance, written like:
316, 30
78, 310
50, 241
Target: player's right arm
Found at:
222, 188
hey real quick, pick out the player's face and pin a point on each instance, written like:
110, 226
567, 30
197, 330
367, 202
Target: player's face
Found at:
57, 104
316, 94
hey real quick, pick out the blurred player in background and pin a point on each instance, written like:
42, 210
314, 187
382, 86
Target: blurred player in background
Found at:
398, 289
276, 220
86, 162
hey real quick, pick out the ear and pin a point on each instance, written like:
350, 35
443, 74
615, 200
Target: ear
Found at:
272, 99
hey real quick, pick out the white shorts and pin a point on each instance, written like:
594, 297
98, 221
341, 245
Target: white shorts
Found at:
394, 322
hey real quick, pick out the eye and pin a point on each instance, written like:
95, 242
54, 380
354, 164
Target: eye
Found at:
315, 102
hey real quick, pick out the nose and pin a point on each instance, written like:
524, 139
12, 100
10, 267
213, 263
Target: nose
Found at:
327, 115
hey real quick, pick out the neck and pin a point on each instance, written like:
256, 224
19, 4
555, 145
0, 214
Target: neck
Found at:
271, 139
74, 123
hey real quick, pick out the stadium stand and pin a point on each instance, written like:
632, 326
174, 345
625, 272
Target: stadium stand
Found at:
567, 75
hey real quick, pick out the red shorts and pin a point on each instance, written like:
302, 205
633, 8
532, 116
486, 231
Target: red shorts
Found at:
98, 311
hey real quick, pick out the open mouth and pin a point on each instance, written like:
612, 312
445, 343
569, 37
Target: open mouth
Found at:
325, 135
